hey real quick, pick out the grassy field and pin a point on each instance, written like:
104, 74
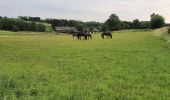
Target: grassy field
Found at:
134, 65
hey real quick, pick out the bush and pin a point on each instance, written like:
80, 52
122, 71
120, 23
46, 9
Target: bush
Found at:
15, 29
169, 30
1, 26
15, 25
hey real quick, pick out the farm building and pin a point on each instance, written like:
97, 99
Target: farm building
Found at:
95, 30
65, 29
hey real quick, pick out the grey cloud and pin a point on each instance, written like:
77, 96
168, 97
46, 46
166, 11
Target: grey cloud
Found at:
86, 10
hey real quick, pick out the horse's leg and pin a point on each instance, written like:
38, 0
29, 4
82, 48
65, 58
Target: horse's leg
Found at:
102, 36
79, 38
91, 37
87, 37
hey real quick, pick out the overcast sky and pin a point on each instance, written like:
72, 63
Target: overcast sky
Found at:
86, 10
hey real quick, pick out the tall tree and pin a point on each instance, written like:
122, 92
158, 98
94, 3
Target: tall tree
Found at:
157, 21
136, 24
113, 23
145, 24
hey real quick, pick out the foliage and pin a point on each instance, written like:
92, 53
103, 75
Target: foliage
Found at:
28, 18
15, 28
113, 23
79, 25
1, 26
13, 24
169, 30
145, 24
136, 24
157, 21
125, 25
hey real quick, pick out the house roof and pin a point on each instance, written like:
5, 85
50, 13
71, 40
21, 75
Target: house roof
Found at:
95, 29
65, 29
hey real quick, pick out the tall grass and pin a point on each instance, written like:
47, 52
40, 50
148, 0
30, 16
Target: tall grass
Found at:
132, 65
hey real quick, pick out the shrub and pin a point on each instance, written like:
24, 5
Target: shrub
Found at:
169, 30
0, 26
15, 29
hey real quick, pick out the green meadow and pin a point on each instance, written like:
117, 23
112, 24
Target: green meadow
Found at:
134, 65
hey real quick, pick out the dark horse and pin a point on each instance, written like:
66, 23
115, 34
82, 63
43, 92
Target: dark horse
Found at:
79, 35
75, 34
107, 34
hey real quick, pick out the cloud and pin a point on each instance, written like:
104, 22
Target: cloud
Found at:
86, 10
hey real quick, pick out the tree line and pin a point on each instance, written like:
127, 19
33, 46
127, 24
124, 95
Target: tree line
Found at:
28, 18
113, 23
17, 24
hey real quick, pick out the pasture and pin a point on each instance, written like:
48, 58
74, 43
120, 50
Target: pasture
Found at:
133, 65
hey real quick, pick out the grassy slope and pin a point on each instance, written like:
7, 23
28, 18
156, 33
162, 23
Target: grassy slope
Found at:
3, 32
162, 33
48, 27
133, 65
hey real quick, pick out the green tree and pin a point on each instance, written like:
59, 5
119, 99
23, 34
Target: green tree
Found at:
105, 27
136, 24
33, 26
40, 27
145, 24
157, 21
1, 23
1, 26
91, 29
15, 28
80, 27
113, 23
125, 25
